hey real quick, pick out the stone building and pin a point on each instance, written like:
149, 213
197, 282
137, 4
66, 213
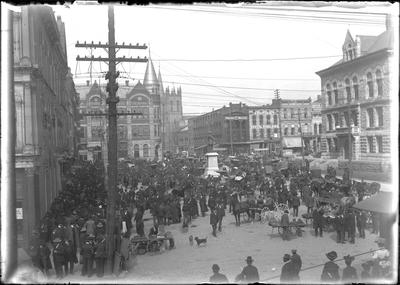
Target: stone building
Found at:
264, 128
356, 100
45, 99
225, 130
139, 136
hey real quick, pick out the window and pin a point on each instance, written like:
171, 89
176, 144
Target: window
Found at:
275, 119
305, 112
346, 119
335, 92
379, 82
370, 144
354, 116
261, 119
292, 114
268, 133
254, 120
370, 85
379, 144
329, 144
284, 114
330, 123
379, 112
262, 133
254, 133
177, 106
275, 130
136, 153
299, 130
355, 87
348, 90
172, 105
315, 129
155, 130
329, 94
268, 120
145, 150
292, 131
320, 128
336, 120
370, 113
286, 130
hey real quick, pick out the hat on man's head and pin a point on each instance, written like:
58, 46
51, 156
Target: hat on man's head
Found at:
331, 255
215, 267
294, 251
286, 257
249, 259
348, 258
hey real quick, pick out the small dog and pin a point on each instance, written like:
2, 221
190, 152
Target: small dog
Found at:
191, 240
201, 241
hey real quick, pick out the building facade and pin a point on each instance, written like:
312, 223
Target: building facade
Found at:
45, 99
264, 128
316, 123
144, 121
356, 99
295, 123
227, 129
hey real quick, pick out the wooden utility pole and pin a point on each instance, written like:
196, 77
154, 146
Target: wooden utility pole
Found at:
301, 135
278, 101
112, 100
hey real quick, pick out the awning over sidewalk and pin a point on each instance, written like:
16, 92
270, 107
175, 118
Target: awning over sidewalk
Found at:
382, 202
291, 142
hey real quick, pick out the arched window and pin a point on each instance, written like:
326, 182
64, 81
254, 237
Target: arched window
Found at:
275, 119
348, 90
320, 128
95, 101
145, 150
329, 117
268, 119
370, 85
254, 120
261, 119
379, 82
315, 129
355, 88
136, 153
335, 92
329, 94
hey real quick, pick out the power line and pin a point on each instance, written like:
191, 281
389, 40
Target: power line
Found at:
249, 59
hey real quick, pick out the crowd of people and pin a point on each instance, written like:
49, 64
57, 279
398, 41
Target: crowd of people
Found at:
174, 191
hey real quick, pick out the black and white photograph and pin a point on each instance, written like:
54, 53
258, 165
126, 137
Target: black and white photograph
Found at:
203, 143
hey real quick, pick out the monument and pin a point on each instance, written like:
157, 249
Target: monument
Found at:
212, 165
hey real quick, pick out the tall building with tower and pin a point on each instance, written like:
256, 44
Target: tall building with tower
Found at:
145, 132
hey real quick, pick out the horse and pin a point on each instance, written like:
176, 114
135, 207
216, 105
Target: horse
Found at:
240, 207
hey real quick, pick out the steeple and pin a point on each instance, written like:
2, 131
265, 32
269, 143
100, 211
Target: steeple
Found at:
160, 82
150, 81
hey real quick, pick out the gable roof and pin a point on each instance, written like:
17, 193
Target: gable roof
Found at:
95, 89
139, 88
383, 41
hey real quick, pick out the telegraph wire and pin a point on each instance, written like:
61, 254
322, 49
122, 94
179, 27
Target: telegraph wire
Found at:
248, 59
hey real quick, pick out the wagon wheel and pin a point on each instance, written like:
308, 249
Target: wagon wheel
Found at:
281, 207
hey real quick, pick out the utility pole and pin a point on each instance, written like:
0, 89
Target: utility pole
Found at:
350, 139
301, 135
112, 101
278, 100
230, 129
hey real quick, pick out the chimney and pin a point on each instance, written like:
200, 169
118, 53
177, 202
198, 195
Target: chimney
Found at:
87, 82
389, 22
126, 82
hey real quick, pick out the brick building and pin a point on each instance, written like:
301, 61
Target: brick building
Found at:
356, 99
227, 128
45, 103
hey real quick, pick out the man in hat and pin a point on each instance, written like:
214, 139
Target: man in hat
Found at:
220, 214
285, 225
330, 272
87, 252
318, 221
44, 253
90, 225
214, 221
349, 272
365, 276
361, 219
33, 252
295, 204
339, 226
59, 257
100, 255
349, 225
288, 269
217, 277
297, 263
70, 256
100, 229
250, 272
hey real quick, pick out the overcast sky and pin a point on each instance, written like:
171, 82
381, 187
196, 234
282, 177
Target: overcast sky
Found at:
221, 32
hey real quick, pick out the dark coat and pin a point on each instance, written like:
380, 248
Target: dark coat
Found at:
218, 278
250, 274
349, 274
100, 250
220, 210
288, 272
213, 218
285, 220
297, 263
330, 272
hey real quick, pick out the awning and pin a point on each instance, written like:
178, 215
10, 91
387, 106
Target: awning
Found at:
382, 202
291, 142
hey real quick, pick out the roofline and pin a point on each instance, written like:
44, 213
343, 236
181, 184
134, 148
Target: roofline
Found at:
356, 60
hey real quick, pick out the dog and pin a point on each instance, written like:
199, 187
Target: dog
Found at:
201, 241
191, 240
